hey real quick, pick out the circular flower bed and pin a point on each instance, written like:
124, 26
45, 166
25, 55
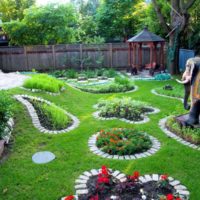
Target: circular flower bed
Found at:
48, 117
108, 184
126, 109
123, 144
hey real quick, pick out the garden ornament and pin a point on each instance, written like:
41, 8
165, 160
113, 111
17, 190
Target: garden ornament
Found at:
191, 81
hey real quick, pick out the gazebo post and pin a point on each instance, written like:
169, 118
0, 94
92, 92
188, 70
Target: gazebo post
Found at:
162, 55
129, 55
151, 54
155, 52
140, 54
133, 62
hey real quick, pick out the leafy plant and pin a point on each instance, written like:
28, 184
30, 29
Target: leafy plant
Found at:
44, 82
123, 141
123, 108
51, 116
6, 111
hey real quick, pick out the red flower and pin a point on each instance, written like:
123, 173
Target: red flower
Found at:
104, 170
178, 198
96, 197
170, 197
71, 197
102, 179
135, 176
164, 177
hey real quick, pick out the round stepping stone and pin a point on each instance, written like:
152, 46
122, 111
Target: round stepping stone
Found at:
43, 157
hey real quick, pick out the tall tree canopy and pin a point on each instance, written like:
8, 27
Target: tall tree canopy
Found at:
115, 19
179, 22
51, 24
13, 9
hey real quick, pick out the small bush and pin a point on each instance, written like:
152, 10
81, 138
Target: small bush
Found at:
44, 82
6, 111
123, 108
162, 77
123, 141
189, 134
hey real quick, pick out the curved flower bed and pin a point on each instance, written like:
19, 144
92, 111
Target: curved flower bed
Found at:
109, 184
185, 136
123, 144
116, 86
125, 109
41, 112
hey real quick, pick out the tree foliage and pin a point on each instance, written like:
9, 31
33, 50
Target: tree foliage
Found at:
115, 19
13, 9
51, 24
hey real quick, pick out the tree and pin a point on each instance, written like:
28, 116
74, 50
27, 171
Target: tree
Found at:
13, 9
179, 21
115, 19
51, 24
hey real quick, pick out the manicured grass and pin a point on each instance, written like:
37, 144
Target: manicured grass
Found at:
21, 179
44, 82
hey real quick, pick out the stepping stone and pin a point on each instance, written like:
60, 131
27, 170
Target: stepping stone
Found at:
43, 157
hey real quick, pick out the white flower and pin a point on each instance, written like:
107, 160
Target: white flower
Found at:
144, 197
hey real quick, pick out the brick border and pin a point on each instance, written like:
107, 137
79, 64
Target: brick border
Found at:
145, 120
35, 118
92, 145
81, 187
174, 136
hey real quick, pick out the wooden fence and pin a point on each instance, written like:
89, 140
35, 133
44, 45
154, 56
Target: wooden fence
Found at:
43, 58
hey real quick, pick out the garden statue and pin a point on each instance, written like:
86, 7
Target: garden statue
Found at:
191, 81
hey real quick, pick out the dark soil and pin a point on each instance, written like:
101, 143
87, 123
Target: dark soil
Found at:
125, 191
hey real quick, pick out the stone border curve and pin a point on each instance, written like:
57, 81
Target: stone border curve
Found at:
174, 136
35, 118
92, 145
81, 182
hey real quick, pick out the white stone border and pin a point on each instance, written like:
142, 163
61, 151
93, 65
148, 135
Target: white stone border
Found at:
81, 182
77, 88
38, 90
35, 118
92, 145
8, 130
145, 120
162, 123
162, 95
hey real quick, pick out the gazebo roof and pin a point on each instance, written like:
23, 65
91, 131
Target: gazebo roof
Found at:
146, 36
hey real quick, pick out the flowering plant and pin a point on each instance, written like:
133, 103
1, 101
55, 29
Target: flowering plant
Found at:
70, 197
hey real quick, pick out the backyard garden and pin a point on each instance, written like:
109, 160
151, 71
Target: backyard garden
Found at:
109, 144
99, 100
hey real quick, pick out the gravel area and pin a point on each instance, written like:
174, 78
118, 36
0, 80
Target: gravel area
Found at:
11, 80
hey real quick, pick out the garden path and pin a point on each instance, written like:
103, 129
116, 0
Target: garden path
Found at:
11, 80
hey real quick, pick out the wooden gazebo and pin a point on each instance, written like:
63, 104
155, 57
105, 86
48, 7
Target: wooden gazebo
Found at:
149, 41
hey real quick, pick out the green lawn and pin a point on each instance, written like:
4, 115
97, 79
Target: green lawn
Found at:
21, 179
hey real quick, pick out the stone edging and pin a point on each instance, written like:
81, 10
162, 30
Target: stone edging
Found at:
35, 118
174, 136
81, 182
162, 95
92, 145
8, 130
38, 90
145, 120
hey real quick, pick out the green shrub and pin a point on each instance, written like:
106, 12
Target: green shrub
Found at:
123, 141
189, 134
122, 81
44, 82
110, 73
6, 111
51, 116
123, 108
